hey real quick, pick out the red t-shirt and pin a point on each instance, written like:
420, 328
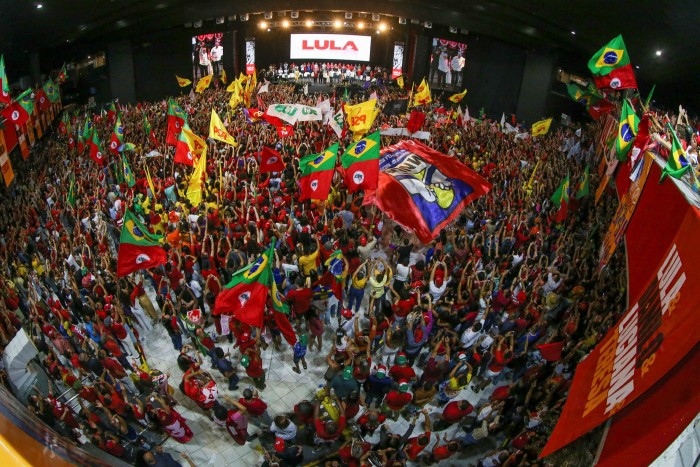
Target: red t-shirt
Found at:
397, 373
452, 413
255, 406
301, 299
414, 448
442, 453
255, 369
499, 361
321, 429
396, 400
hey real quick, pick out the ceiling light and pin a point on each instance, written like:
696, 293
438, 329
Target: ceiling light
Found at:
573, 32
337, 23
360, 25
263, 24
658, 53
285, 24
309, 23
382, 26
637, 67
39, 6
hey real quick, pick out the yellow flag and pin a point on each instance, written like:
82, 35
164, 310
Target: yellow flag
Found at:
194, 190
203, 83
399, 81
457, 97
237, 96
196, 144
541, 127
253, 80
361, 116
150, 182
183, 81
217, 130
223, 76
232, 87
242, 78
422, 95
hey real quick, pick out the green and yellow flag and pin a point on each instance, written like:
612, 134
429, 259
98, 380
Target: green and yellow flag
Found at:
562, 193
584, 187
626, 131
677, 163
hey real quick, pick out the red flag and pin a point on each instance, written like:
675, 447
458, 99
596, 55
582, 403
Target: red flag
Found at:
551, 352
562, 212
16, 114
285, 327
423, 189
62, 127
135, 257
641, 140
600, 108
71, 142
276, 121
42, 101
415, 122
10, 137
270, 161
285, 130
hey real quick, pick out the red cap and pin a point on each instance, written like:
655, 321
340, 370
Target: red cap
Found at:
363, 241
245, 337
279, 444
346, 313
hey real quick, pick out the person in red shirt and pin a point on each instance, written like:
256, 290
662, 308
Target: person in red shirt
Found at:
257, 408
300, 298
200, 387
401, 370
502, 355
369, 421
352, 451
453, 412
252, 363
440, 453
414, 446
328, 431
395, 400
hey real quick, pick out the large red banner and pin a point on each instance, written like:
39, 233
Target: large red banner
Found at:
649, 340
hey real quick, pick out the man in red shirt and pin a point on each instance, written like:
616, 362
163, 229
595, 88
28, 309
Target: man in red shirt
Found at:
445, 451
300, 298
252, 363
395, 401
401, 370
328, 431
257, 408
414, 446
502, 356
370, 421
453, 412
200, 387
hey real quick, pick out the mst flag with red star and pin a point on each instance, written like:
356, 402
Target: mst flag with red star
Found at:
176, 120
117, 136
138, 248
246, 295
270, 160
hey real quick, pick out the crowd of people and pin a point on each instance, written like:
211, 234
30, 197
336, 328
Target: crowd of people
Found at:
328, 72
412, 330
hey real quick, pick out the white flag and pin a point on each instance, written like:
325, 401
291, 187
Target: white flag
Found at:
503, 120
308, 114
286, 112
306, 89
336, 123
265, 87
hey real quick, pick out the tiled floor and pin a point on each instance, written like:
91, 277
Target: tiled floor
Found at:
212, 445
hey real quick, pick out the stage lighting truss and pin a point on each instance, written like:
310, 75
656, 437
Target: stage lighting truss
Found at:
302, 24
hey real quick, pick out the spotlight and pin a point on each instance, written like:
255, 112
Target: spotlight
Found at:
285, 24
360, 25
268, 15
382, 27
348, 15
294, 15
375, 16
220, 20
263, 24
428, 25
573, 33
244, 17
197, 24
658, 53
402, 20
337, 23
453, 30
39, 6
309, 23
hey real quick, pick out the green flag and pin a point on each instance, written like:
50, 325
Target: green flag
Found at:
583, 186
626, 131
51, 91
677, 163
562, 193
27, 101
71, 191
128, 174
4, 85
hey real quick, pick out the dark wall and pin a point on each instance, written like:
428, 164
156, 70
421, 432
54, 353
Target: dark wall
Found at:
537, 79
493, 76
120, 60
156, 62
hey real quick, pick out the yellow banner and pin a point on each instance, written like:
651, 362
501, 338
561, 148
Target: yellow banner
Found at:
194, 190
422, 95
183, 81
203, 84
218, 131
361, 116
457, 97
541, 127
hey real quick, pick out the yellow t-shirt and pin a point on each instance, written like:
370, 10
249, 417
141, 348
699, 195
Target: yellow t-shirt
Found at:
307, 263
359, 283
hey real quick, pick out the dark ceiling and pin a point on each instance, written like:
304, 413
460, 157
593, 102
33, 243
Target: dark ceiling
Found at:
647, 26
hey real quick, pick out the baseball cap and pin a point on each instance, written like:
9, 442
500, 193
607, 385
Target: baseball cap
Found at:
403, 385
347, 372
245, 361
381, 371
346, 313
245, 337
401, 358
279, 444
462, 356
303, 339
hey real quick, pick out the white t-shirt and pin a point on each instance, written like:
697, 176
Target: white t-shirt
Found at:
216, 53
436, 292
287, 434
469, 337
402, 272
